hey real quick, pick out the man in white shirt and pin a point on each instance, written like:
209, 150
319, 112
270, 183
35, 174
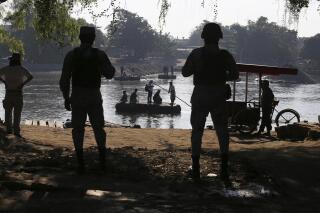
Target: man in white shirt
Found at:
14, 77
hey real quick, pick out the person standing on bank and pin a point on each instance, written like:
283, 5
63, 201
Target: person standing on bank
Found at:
267, 99
211, 67
86, 65
14, 77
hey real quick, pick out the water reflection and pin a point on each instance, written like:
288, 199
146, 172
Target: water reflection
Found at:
43, 100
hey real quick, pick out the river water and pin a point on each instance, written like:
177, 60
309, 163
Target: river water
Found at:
43, 100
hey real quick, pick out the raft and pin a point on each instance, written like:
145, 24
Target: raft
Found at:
127, 78
164, 108
167, 76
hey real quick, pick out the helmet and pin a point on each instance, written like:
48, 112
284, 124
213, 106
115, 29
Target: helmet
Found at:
211, 31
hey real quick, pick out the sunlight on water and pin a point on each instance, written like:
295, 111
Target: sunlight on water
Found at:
43, 100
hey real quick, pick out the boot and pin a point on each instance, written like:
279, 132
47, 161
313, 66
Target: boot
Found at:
102, 158
80, 168
195, 168
224, 174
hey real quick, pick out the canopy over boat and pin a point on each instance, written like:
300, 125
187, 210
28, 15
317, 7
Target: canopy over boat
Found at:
266, 70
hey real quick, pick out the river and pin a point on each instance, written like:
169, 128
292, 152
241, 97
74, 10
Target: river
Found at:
43, 100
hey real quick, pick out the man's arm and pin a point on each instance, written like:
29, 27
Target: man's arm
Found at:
2, 73
28, 76
107, 70
188, 68
231, 65
66, 76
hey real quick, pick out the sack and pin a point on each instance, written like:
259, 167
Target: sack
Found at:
227, 91
146, 88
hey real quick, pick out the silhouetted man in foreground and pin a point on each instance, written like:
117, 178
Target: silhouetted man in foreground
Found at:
86, 65
14, 77
211, 67
267, 99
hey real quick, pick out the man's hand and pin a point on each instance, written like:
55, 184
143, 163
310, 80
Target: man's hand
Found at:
67, 104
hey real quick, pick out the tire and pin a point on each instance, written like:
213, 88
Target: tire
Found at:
287, 116
246, 121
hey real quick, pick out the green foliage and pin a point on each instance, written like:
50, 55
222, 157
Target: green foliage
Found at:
133, 36
259, 42
51, 18
14, 45
311, 48
266, 43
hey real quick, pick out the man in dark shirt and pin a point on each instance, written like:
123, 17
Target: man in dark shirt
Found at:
134, 97
267, 99
211, 67
124, 98
86, 65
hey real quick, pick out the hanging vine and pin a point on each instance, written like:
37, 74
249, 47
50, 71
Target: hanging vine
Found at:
52, 20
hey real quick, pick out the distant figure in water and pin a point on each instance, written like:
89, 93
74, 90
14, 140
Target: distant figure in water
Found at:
134, 97
124, 98
157, 98
211, 67
121, 70
14, 77
172, 70
86, 65
165, 70
149, 88
172, 92
267, 99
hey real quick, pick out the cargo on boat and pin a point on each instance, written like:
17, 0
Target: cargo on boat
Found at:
164, 108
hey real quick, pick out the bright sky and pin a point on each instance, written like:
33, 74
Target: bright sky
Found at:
184, 15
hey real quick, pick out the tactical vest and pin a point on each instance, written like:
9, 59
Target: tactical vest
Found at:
86, 72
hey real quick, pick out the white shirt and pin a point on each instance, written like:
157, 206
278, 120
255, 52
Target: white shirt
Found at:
14, 76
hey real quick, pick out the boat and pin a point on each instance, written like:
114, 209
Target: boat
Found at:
163, 76
164, 108
127, 78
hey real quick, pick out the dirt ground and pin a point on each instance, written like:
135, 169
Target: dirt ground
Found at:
146, 172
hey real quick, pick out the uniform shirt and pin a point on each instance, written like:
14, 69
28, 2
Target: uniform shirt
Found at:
85, 66
210, 66
14, 77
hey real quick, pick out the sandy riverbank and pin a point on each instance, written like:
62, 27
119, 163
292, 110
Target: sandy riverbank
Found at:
146, 173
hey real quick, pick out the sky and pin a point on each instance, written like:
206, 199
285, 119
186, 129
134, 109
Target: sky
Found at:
185, 15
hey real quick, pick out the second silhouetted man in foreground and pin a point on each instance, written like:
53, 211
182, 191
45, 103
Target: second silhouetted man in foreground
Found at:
86, 65
211, 67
